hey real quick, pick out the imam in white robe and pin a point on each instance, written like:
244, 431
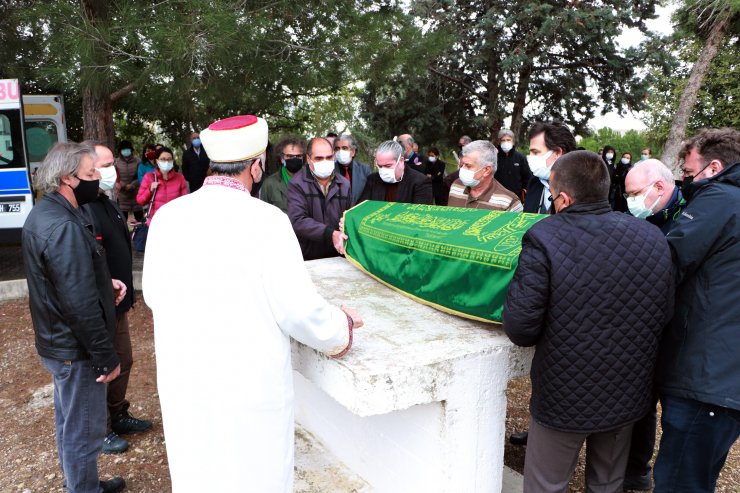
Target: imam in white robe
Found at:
224, 277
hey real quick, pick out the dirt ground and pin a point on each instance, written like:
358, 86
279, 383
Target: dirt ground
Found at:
28, 459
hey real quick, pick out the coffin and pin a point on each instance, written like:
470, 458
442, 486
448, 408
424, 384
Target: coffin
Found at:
457, 260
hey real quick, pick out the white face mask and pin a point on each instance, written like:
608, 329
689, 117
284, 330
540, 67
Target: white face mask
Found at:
108, 177
625, 160
432, 159
637, 206
538, 165
323, 169
506, 146
467, 177
344, 157
610, 155
165, 166
388, 175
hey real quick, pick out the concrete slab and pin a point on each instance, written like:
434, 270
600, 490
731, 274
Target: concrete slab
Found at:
12, 290
318, 471
419, 404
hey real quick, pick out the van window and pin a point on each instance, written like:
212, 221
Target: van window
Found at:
40, 137
6, 143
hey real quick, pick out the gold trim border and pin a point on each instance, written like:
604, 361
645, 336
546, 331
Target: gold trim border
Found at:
441, 308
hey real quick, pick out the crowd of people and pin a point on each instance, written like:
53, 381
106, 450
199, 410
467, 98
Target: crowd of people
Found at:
629, 293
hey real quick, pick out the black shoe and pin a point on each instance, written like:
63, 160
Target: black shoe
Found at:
639, 483
519, 438
123, 423
113, 485
113, 444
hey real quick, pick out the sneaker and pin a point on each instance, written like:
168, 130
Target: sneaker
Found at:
113, 444
123, 423
113, 485
638, 483
519, 438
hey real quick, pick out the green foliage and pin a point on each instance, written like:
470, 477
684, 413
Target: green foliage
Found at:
566, 57
718, 102
185, 64
631, 141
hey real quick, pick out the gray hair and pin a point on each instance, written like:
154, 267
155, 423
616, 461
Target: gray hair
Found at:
466, 139
655, 170
505, 131
487, 153
348, 138
390, 147
63, 159
231, 169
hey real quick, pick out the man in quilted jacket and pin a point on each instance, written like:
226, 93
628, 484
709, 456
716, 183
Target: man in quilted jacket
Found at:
699, 368
593, 291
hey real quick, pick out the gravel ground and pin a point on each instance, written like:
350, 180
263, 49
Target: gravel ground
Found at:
28, 460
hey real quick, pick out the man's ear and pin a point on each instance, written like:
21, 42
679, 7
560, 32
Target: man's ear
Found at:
716, 166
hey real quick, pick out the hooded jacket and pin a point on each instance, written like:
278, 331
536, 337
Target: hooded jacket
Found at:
699, 352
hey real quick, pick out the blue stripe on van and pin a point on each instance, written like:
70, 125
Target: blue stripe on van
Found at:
14, 181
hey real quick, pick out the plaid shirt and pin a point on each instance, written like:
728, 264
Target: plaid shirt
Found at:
496, 198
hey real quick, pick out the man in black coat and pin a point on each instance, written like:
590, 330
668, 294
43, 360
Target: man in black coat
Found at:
593, 291
195, 163
111, 232
393, 182
513, 170
699, 368
547, 142
72, 301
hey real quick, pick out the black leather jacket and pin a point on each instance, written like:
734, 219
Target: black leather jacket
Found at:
69, 286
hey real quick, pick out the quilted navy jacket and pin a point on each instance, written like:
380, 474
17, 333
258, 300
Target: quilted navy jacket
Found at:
593, 291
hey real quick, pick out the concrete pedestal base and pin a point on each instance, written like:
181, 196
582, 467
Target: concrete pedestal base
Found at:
420, 403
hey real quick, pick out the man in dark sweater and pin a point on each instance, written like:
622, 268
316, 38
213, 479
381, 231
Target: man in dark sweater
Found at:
195, 163
112, 233
513, 171
593, 291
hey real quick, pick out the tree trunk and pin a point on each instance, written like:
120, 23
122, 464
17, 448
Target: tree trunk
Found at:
97, 116
97, 107
680, 121
517, 115
495, 120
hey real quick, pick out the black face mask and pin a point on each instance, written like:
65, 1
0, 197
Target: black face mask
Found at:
294, 164
690, 179
86, 191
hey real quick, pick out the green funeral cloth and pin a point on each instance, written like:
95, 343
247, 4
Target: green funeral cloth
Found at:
455, 259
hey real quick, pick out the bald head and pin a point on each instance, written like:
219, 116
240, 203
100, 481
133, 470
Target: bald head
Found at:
651, 172
407, 141
104, 157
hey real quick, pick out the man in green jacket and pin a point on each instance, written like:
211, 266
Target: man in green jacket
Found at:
274, 190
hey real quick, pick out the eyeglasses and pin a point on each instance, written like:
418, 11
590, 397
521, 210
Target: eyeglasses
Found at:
629, 195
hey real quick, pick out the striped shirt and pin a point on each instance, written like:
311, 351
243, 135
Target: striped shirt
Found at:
496, 198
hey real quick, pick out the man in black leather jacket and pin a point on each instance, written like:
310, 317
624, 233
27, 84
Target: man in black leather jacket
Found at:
72, 300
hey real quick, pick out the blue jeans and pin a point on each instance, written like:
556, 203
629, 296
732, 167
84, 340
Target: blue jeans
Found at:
696, 439
80, 415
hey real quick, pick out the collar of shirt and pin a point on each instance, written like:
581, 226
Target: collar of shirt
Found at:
225, 181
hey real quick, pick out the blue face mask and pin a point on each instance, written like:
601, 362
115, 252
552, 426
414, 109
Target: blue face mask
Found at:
196, 142
126, 152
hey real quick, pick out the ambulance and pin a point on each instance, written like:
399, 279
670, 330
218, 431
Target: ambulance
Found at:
29, 127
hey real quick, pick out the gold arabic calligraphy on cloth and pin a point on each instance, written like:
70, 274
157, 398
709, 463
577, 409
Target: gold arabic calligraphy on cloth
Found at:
485, 242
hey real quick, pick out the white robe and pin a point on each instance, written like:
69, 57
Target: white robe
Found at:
224, 277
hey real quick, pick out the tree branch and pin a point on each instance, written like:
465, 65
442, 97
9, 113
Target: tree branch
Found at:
462, 84
124, 91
